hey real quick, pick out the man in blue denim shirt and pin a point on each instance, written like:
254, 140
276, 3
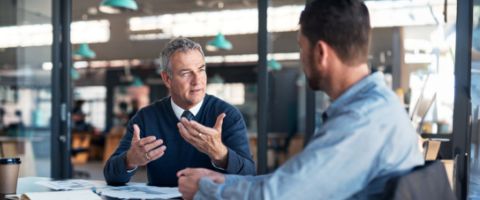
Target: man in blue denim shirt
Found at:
366, 137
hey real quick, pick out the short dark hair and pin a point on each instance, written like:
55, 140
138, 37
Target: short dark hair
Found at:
342, 24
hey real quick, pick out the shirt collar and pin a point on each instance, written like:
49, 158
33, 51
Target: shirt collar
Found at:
359, 87
179, 111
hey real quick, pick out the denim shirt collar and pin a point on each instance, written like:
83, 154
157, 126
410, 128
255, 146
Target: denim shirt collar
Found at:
359, 87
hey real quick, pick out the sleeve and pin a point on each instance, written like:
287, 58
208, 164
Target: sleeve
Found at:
342, 153
234, 136
210, 190
115, 170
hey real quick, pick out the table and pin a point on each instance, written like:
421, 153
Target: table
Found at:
28, 184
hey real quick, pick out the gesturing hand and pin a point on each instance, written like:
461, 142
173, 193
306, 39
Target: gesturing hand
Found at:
189, 177
205, 139
143, 150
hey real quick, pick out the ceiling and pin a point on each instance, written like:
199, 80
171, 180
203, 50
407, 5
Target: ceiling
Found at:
120, 47
159, 7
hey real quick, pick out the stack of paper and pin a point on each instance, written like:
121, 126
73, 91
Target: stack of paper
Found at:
72, 184
62, 195
139, 191
131, 191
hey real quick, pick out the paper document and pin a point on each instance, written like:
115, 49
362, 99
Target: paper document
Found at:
131, 191
62, 195
72, 184
139, 191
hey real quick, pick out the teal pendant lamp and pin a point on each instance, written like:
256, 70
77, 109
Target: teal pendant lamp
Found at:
219, 42
117, 6
274, 65
137, 82
84, 51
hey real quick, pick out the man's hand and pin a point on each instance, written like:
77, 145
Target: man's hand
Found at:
189, 177
205, 139
144, 150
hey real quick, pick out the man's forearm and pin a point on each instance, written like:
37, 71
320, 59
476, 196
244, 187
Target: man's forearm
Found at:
237, 164
115, 171
234, 187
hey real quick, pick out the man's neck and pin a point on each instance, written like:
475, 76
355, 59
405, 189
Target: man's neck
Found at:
184, 106
344, 78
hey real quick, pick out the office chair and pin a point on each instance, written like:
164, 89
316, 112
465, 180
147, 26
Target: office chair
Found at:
423, 182
79, 152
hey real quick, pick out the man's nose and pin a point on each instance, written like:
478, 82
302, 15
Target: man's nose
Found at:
195, 79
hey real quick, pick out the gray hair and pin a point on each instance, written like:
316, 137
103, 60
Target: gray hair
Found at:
179, 44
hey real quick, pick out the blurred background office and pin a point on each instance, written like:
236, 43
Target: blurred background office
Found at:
114, 73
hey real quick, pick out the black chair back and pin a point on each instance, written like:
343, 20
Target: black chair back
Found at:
424, 182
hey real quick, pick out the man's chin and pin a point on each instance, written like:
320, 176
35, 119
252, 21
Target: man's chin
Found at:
195, 99
314, 85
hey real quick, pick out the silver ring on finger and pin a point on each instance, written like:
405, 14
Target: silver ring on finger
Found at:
200, 134
147, 156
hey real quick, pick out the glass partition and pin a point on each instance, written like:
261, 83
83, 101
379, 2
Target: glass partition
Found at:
474, 185
25, 84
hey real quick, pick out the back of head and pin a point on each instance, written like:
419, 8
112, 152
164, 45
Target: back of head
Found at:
343, 24
77, 107
123, 106
179, 44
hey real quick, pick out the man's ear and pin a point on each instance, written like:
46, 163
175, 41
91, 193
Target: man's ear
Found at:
322, 53
166, 78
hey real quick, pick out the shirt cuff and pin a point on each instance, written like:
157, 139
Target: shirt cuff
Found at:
227, 158
216, 167
132, 170
207, 189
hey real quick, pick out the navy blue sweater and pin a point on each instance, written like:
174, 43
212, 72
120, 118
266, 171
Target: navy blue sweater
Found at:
158, 119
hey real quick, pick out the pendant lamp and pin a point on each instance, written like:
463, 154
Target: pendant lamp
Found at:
117, 6
219, 42
274, 65
84, 51
137, 82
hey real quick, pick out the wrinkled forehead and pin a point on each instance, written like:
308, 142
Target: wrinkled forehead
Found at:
191, 58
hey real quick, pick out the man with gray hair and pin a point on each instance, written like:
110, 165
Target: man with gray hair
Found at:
216, 137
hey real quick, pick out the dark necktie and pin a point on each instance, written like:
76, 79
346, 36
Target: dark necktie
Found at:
187, 114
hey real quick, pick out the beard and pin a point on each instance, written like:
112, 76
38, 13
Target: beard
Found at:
314, 78
314, 82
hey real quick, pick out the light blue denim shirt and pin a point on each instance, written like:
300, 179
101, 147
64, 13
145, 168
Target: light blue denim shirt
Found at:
365, 139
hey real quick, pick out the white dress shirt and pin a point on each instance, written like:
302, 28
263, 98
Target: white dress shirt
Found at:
179, 111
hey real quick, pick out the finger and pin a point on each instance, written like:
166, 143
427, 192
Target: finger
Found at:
184, 132
152, 145
187, 124
147, 140
181, 184
158, 152
136, 133
219, 122
183, 172
199, 128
